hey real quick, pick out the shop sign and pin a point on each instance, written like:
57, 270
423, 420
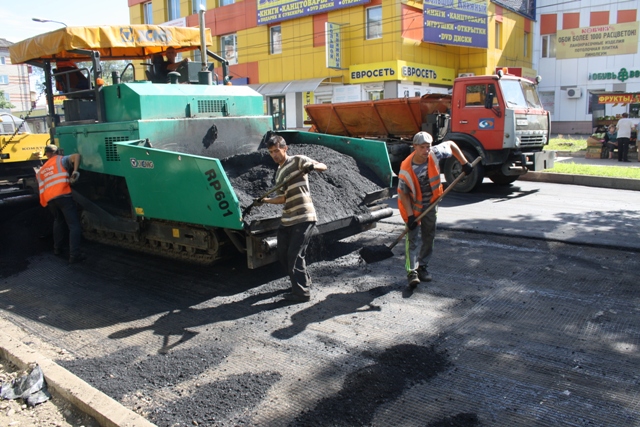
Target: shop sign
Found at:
275, 11
621, 75
623, 98
333, 43
456, 22
401, 70
602, 40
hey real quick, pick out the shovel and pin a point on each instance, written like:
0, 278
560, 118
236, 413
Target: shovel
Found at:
380, 252
294, 175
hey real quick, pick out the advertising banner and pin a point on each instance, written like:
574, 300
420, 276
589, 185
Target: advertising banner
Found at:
623, 98
401, 70
456, 22
280, 10
602, 40
333, 45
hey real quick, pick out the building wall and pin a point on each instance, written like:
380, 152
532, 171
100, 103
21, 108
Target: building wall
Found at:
303, 54
14, 80
572, 115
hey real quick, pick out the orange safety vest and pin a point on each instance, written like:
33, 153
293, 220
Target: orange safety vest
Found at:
408, 176
53, 180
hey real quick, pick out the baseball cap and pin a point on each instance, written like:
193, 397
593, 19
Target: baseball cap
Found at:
51, 148
422, 138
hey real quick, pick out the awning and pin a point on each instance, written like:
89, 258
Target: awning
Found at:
113, 42
280, 88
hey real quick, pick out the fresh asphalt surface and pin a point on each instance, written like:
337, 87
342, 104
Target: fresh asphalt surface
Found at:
592, 314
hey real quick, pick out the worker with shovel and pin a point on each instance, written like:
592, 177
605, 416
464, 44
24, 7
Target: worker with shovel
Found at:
298, 216
419, 181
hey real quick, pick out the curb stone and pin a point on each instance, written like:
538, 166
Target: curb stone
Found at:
105, 410
585, 180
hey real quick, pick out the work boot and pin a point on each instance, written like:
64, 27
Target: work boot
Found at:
77, 259
296, 297
424, 275
413, 279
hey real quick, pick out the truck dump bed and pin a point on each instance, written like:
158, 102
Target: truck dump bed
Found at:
393, 118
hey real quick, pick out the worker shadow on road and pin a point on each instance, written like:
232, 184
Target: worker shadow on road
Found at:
177, 322
333, 305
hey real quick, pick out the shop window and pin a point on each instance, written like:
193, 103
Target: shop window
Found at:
147, 13
549, 46
229, 48
173, 9
277, 111
374, 22
375, 95
226, 2
275, 33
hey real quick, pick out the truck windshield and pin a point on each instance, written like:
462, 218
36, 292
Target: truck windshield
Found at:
520, 94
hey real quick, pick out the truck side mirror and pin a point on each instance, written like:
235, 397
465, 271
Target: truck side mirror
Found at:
488, 100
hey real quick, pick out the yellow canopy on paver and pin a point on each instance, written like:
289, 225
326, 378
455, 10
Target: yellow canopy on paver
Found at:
113, 42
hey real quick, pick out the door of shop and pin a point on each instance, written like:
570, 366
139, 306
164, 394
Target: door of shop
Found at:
277, 111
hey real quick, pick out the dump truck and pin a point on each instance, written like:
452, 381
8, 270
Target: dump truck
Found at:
152, 174
497, 117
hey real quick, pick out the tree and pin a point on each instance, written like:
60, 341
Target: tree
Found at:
4, 103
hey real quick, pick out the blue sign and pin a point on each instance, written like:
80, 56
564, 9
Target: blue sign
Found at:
456, 22
486, 124
275, 11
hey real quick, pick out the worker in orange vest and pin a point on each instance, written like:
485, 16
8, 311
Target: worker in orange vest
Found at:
418, 186
55, 181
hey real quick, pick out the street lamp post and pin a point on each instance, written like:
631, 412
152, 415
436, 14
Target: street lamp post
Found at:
48, 20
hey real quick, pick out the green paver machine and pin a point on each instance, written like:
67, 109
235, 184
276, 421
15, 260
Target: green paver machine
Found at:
152, 179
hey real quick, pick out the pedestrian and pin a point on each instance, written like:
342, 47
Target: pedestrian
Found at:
55, 179
298, 215
418, 186
625, 126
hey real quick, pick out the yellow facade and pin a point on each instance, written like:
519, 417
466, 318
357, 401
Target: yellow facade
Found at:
300, 60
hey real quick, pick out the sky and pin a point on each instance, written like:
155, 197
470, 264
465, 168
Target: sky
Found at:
16, 23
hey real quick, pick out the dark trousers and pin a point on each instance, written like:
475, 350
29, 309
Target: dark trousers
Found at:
623, 149
65, 212
292, 248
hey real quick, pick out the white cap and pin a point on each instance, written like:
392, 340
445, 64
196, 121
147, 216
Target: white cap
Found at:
422, 138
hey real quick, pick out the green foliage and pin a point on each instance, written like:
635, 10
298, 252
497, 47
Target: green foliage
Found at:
4, 103
605, 171
567, 143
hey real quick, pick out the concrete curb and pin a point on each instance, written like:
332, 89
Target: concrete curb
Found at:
106, 411
585, 180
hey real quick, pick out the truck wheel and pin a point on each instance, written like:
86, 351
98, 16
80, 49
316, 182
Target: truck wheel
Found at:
452, 169
502, 179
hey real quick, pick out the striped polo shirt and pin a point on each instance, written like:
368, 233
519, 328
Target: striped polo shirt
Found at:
298, 206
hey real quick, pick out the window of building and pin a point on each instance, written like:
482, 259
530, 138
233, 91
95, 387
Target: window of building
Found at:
374, 22
229, 48
276, 39
3, 60
195, 5
147, 13
4, 79
173, 9
525, 48
498, 28
226, 2
375, 95
549, 46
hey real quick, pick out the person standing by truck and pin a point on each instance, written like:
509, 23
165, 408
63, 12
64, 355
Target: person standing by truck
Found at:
54, 182
418, 186
625, 126
298, 216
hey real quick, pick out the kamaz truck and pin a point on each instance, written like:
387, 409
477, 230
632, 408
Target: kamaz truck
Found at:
152, 177
498, 117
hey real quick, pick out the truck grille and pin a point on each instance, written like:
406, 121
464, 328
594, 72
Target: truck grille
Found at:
531, 140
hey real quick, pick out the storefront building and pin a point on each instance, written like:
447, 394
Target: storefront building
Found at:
296, 52
587, 54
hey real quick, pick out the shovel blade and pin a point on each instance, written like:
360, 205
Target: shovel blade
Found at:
375, 253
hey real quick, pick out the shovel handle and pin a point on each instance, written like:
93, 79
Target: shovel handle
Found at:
276, 188
434, 203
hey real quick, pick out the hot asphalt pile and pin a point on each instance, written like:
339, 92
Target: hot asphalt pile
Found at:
337, 192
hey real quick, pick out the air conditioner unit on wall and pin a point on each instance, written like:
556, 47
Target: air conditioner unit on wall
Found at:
466, 74
574, 92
